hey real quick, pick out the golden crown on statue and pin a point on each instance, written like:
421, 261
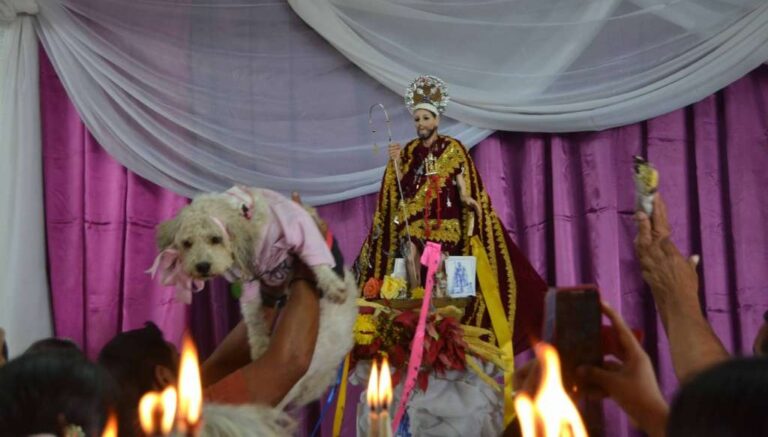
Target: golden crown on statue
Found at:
427, 92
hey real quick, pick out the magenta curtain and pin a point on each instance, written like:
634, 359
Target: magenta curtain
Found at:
567, 199
100, 221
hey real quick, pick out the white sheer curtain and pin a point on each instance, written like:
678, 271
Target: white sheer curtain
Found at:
200, 94
551, 65
25, 311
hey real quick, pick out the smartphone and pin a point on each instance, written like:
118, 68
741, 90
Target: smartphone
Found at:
572, 324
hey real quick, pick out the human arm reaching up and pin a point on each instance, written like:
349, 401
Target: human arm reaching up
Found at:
268, 379
674, 284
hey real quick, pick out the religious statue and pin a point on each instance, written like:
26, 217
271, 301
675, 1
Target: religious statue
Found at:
431, 191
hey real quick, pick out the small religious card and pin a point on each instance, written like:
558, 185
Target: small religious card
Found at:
398, 271
461, 275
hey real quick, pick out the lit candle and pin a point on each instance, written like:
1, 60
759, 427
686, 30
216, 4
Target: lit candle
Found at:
157, 412
168, 399
150, 413
551, 412
373, 403
385, 400
190, 399
110, 429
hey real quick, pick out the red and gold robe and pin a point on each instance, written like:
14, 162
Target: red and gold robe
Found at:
435, 213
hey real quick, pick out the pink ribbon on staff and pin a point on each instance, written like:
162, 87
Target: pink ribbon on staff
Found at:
431, 259
168, 263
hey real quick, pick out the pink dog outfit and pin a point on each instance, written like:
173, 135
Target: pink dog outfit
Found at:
288, 231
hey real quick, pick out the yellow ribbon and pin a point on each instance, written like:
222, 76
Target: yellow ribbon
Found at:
475, 367
341, 399
489, 288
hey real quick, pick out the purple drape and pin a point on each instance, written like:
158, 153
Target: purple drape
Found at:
567, 199
100, 221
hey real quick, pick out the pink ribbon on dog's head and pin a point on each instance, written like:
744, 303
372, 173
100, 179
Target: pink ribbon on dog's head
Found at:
168, 262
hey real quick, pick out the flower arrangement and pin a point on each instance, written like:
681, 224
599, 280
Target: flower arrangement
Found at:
448, 345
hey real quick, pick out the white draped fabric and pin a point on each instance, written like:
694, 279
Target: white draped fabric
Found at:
551, 65
25, 311
198, 95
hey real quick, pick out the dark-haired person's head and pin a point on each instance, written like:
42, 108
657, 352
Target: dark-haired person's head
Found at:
139, 360
52, 392
728, 400
54, 345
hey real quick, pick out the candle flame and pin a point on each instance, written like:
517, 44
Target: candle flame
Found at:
168, 398
385, 385
148, 405
373, 389
110, 429
551, 413
190, 389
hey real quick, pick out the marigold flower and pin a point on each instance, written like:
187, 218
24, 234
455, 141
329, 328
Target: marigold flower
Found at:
365, 329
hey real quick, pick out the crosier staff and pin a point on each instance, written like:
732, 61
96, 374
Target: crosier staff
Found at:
406, 250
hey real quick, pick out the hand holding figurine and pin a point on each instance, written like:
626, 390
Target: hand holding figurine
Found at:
671, 276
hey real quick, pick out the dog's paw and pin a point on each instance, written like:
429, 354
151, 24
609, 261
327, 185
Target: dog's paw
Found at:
330, 284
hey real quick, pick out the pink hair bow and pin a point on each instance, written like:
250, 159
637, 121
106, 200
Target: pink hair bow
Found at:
168, 263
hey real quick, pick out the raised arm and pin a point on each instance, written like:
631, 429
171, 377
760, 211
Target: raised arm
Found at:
674, 284
269, 379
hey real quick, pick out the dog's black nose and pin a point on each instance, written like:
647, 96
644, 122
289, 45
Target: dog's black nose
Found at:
203, 267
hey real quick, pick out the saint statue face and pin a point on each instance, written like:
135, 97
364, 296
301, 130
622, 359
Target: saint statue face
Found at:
426, 123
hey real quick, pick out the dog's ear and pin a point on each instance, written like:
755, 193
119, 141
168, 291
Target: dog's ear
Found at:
243, 237
166, 232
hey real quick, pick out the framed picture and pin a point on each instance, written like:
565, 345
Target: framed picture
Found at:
461, 273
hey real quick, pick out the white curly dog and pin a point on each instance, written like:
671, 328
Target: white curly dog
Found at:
253, 236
